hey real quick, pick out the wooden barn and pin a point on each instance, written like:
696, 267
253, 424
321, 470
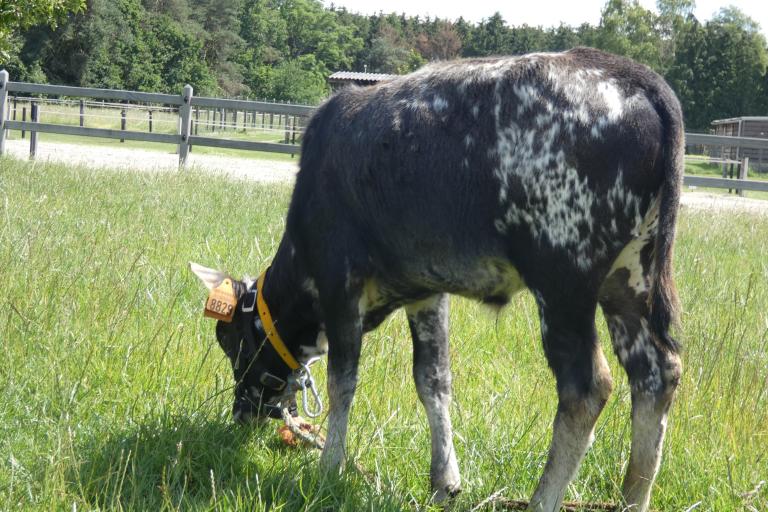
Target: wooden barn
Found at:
343, 78
745, 127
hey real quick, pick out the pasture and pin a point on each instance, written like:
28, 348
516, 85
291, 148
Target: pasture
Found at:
115, 395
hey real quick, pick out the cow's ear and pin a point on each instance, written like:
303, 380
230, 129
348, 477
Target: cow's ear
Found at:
210, 277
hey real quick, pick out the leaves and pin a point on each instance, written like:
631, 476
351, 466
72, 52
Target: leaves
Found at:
18, 15
285, 49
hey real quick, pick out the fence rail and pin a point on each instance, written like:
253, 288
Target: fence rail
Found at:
188, 122
702, 139
64, 129
186, 135
729, 183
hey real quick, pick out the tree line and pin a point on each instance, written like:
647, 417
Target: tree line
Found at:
285, 49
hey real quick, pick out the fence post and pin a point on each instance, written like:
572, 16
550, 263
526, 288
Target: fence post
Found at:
197, 118
3, 106
23, 120
122, 122
185, 116
34, 110
287, 131
743, 172
82, 113
150, 121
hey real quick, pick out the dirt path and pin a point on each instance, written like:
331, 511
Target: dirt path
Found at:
271, 171
147, 160
710, 201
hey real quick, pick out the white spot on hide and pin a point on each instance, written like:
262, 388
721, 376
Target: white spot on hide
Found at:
439, 104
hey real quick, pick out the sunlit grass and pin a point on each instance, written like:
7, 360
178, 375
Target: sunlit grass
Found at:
115, 395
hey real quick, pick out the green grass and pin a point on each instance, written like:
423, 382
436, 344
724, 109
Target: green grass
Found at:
115, 395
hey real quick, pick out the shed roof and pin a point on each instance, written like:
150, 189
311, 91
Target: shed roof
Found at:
354, 76
743, 118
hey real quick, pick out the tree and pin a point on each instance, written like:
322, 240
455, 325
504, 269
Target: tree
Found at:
222, 44
674, 18
301, 80
16, 15
316, 31
627, 28
688, 74
442, 42
562, 38
736, 64
390, 53
491, 37
526, 39
719, 69
285, 49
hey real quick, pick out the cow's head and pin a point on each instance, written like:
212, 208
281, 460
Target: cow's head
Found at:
260, 374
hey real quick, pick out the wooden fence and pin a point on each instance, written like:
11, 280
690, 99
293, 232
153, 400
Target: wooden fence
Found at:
741, 183
185, 137
185, 102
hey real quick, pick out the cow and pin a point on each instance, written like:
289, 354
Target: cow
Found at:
556, 172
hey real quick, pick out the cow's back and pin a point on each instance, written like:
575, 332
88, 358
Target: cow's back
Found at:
542, 159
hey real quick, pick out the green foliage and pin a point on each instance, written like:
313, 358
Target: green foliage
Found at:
627, 28
300, 80
390, 53
316, 31
285, 49
18, 15
719, 69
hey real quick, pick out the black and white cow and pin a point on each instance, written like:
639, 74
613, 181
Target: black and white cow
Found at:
559, 173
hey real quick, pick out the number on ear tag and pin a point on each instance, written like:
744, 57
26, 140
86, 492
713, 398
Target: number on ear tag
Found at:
221, 302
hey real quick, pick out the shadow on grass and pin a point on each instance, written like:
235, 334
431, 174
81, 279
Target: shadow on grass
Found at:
181, 464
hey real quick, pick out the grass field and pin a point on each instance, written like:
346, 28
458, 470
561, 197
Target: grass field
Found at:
115, 395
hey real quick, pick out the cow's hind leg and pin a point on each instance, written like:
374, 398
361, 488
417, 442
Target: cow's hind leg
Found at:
652, 365
428, 321
583, 386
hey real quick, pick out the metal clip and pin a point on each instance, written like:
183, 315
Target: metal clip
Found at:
309, 383
301, 380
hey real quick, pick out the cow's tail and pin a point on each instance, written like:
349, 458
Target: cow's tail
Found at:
663, 299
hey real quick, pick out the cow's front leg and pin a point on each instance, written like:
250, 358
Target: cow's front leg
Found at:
428, 321
344, 331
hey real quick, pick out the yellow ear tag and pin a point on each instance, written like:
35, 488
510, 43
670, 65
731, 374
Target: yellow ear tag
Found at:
221, 302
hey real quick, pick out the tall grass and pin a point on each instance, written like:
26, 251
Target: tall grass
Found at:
114, 394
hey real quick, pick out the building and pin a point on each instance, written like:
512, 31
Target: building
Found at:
756, 127
343, 78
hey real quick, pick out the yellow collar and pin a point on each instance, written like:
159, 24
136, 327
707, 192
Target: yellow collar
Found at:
269, 327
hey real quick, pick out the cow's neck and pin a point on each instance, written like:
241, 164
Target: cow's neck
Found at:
290, 303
